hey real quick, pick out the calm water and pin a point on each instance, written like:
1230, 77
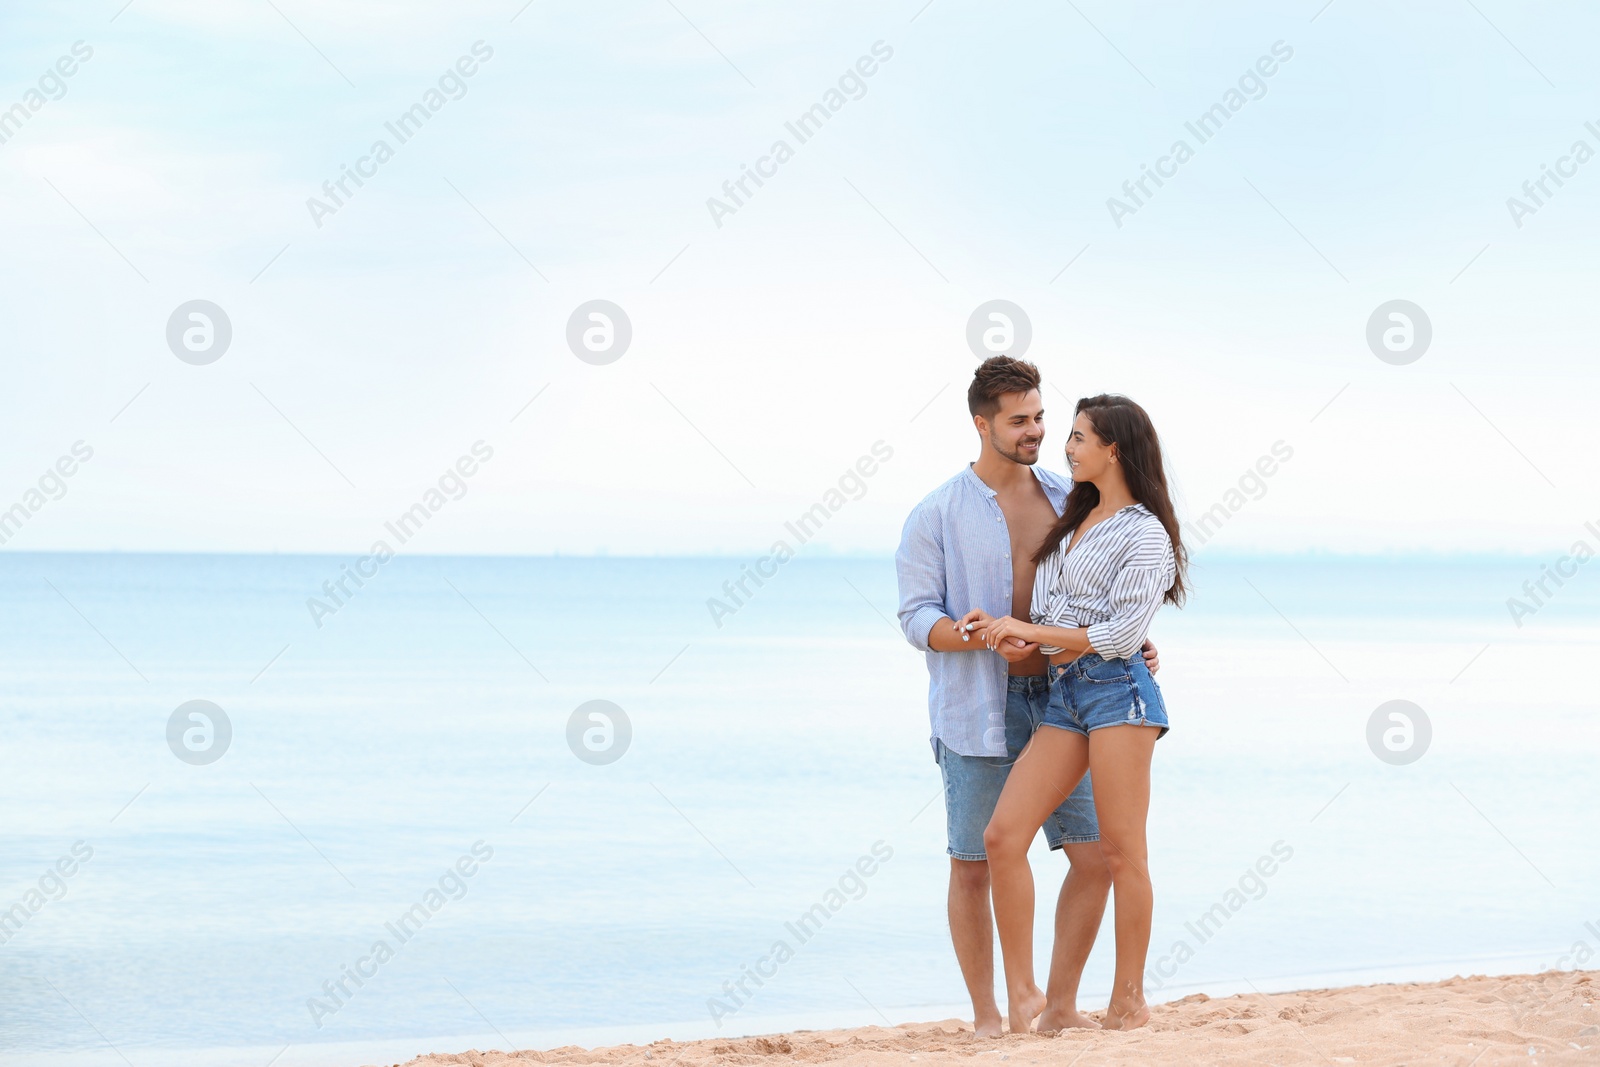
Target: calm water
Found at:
429, 715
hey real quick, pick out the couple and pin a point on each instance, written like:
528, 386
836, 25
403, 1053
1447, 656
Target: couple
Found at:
1031, 594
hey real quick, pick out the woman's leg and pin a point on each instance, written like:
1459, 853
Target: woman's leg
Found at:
1119, 759
1079, 909
1044, 775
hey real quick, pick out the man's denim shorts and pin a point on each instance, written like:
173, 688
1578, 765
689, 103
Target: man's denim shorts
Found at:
972, 784
1093, 692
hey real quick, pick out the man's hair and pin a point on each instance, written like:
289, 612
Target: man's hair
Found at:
995, 377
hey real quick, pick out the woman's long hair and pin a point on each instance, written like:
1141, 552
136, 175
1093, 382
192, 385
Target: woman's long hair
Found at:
1119, 421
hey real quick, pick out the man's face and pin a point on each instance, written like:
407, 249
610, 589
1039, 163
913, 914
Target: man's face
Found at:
1017, 429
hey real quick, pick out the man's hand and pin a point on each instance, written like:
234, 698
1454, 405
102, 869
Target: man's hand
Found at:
1152, 659
1015, 650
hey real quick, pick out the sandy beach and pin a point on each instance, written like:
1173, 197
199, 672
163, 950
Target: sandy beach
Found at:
1523, 1019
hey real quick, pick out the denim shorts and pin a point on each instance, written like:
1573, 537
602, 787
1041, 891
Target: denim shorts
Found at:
1093, 692
972, 784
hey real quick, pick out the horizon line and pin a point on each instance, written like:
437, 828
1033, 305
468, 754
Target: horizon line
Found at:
820, 550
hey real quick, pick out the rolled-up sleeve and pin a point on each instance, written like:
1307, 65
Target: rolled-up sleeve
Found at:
1136, 592
919, 567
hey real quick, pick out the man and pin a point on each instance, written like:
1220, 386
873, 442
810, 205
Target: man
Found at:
970, 544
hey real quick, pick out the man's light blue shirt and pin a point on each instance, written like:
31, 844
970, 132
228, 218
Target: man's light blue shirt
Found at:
955, 555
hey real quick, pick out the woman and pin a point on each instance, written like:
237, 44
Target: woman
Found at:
1108, 563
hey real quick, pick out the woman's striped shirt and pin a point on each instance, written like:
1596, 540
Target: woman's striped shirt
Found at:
1112, 582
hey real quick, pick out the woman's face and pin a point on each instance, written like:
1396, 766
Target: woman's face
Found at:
1088, 457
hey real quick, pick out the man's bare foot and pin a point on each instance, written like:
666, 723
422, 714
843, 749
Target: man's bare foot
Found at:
1022, 1008
988, 1025
1129, 1015
1056, 1019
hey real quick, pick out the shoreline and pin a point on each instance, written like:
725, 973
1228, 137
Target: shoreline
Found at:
1487, 1020
1459, 1018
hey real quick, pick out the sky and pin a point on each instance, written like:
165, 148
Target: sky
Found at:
777, 339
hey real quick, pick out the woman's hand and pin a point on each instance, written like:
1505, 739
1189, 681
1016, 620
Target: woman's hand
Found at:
997, 630
977, 618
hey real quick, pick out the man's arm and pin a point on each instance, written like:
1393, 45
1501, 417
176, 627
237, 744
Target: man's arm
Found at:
919, 570
946, 637
919, 567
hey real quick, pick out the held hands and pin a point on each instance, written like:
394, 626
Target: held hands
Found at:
1015, 650
1009, 637
1004, 635
1001, 631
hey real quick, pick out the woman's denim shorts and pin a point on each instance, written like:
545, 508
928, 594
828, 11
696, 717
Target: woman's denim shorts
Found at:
1093, 692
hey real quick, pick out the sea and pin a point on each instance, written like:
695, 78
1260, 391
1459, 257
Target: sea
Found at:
307, 810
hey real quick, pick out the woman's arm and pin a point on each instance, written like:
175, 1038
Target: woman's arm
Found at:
1074, 639
993, 631
1136, 594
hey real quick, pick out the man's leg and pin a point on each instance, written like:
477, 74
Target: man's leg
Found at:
1079, 909
971, 786
972, 934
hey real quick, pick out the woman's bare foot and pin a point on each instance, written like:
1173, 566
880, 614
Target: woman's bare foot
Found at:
1056, 1019
1128, 1015
1022, 1008
989, 1026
